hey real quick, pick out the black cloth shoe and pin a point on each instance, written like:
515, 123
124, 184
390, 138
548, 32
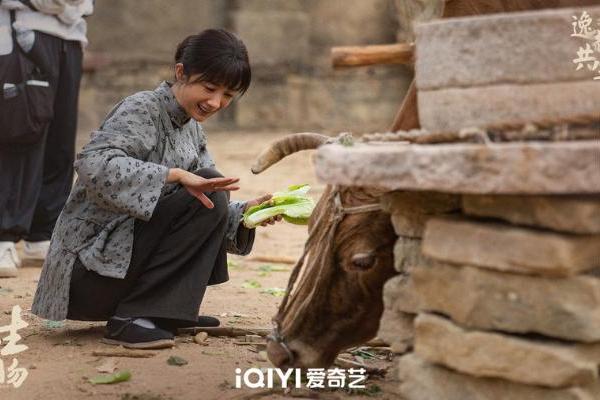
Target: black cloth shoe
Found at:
204, 321
127, 334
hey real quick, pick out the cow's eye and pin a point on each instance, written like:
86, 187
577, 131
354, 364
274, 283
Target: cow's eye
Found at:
363, 261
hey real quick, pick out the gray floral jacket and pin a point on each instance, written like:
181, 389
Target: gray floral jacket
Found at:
122, 174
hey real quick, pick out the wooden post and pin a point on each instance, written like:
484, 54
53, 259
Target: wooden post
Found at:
355, 56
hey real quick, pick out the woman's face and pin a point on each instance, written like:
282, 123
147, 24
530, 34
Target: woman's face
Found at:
200, 99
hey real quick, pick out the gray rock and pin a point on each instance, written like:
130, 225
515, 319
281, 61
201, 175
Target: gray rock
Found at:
484, 299
509, 168
496, 355
396, 325
397, 329
411, 210
509, 248
407, 253
523, 47
420, 380
577, 214
451, 109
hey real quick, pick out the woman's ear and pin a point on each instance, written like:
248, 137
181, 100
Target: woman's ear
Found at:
179, 74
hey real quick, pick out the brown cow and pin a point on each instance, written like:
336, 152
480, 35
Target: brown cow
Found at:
337, 301
356, 259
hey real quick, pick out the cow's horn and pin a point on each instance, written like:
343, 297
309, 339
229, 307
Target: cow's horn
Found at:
286, 146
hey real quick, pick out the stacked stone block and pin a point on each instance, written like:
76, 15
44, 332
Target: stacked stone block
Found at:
500, 302
523, 61
409, 212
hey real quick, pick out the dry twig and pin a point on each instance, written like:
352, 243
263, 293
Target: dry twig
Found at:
273, 259
227, 331
123, 353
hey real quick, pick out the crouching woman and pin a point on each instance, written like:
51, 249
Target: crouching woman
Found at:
148, 222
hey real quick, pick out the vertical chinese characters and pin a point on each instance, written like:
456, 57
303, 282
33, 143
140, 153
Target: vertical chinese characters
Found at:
587, 55
12, 374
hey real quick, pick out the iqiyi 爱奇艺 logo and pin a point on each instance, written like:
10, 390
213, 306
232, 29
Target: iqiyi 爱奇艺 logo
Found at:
313, 378
587, 55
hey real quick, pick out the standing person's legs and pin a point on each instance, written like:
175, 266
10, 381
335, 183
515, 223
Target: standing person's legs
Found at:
21, 182
22, 168
60, 144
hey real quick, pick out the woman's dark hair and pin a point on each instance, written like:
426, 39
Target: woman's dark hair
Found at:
219, 56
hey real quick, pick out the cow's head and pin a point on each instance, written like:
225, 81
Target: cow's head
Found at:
337, 299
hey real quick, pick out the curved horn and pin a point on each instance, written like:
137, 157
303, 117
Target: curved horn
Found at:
286, 146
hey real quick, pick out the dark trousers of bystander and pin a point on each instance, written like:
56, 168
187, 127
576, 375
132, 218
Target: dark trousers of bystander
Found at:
176, 254
35, 180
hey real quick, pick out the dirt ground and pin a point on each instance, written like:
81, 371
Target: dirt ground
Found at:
60, 360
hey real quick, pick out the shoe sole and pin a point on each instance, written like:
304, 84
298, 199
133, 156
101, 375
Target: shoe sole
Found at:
8, 272
155, 344
32, 263
34, 258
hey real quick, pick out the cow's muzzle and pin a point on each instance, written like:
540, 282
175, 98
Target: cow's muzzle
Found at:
277, 350
278, 355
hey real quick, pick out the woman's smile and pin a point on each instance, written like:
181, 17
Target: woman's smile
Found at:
205, 111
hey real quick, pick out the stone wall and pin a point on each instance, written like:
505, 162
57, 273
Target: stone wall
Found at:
498, 252
499, 300
293, 88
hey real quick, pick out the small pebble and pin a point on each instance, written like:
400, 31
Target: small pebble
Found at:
262, 356
200, 338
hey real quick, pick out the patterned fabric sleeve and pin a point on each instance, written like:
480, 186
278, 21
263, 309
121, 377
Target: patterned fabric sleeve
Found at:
239, 238
112, 166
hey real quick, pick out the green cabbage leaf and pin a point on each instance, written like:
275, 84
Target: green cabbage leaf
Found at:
293, 204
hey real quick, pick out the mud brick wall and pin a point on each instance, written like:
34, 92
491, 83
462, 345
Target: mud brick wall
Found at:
293, 88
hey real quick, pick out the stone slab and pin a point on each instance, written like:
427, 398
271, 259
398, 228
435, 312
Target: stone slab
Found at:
399, 294
411, 210
420, 380
509, 248
507, 168
517, 47
576, 214
400, 309
494, 355
407, 253
484, 299
451, 109
397, 329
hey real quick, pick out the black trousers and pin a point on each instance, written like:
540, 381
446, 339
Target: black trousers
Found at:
35, 180
175, 256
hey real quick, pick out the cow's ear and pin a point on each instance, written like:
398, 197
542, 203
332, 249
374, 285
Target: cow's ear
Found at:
363, 261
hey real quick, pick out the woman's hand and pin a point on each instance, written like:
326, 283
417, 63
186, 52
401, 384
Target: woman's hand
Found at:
197, 185
260, 200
